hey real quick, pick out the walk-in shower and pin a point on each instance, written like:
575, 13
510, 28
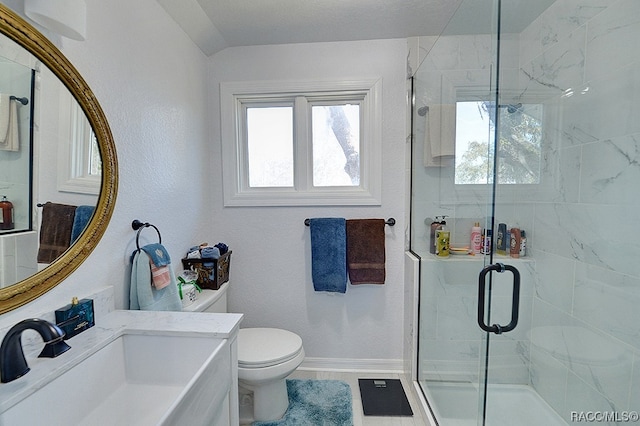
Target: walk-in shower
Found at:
528, 114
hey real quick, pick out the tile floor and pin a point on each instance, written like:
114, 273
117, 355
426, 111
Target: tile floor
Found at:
359, 419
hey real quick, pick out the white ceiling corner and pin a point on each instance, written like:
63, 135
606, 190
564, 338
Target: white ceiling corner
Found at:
189, 15
216, 24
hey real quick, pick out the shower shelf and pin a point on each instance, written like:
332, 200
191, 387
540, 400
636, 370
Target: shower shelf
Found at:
477, 258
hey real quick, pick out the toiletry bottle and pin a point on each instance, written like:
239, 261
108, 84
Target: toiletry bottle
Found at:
487, 237
432, 235
475, 245
501, 239
443, 237
523, 243
515, 243
6, 214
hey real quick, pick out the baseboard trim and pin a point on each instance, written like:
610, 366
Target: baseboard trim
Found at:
395, 366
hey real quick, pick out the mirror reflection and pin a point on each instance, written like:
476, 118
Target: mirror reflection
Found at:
50, 166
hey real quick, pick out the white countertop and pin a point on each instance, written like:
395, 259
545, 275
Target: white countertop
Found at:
107, 329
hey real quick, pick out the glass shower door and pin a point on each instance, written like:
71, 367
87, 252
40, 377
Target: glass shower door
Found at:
453, 91
547, 144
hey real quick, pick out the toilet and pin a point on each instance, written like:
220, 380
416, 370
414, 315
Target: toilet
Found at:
266, 356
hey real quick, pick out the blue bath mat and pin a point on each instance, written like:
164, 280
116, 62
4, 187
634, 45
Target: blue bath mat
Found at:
317, 403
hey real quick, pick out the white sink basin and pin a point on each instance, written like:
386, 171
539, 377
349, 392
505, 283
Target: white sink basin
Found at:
136, 379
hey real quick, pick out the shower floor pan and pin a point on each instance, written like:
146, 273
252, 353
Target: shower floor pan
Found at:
456, 404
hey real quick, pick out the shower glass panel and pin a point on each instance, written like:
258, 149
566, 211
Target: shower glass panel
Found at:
526, 114
16, 158
453, 124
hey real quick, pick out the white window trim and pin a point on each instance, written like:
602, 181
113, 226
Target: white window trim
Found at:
237, 193
73, 157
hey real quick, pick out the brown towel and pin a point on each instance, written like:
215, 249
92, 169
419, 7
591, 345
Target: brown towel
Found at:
365, 251
55, 231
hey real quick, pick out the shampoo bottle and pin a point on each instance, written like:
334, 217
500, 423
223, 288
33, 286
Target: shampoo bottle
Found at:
523, 243
487, 241
6, 214
502, 239
443, 237
515, 243
475, 245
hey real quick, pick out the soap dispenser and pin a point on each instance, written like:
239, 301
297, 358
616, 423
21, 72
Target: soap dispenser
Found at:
435, 225
6, 214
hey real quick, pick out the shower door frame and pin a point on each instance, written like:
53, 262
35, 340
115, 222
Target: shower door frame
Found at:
492, 95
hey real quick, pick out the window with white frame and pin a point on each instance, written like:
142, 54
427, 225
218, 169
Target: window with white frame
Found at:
79, 163
301, 143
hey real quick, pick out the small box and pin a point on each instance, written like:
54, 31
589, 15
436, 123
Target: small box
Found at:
188, 294
212, 273
76, 317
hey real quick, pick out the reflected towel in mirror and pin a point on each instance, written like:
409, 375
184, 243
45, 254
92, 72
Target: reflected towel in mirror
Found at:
9, 140
55, 230
80, 221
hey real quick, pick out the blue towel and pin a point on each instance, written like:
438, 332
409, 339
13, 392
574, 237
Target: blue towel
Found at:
142, 295
329, 254
210, 253
158, 254
80, 221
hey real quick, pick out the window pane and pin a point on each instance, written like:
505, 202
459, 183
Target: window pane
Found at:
519, 145
474, 140
336, 145
95, 161
270, 146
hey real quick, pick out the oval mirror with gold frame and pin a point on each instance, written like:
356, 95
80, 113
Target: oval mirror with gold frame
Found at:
21, 32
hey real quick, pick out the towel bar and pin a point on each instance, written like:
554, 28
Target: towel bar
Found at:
23, 101
139, 226
391, 221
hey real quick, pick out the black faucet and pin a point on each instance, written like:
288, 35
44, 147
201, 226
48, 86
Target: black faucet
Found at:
12, 361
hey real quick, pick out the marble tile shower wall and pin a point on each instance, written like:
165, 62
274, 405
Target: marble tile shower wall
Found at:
585, 348
450, 339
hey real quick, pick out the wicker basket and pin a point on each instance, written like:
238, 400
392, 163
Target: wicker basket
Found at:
211, 277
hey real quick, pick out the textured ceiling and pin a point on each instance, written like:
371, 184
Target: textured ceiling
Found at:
217, 24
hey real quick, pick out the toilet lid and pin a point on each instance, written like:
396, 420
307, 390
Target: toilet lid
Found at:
263, 347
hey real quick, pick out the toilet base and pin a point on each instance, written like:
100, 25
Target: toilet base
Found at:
270, 400
245, 399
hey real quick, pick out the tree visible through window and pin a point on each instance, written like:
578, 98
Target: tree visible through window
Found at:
336, 145
519, 143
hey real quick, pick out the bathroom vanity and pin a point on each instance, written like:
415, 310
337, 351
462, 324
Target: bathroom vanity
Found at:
134, 367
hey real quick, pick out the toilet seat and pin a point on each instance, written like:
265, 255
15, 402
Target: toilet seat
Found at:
266, 347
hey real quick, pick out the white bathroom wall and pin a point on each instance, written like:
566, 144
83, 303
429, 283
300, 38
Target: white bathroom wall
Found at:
270, 266
150, 80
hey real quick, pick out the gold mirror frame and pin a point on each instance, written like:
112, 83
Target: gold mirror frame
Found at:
17, 29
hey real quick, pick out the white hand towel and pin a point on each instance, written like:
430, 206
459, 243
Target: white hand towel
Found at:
440, 136
8, 124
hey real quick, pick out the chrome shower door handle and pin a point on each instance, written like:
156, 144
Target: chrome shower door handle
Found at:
515, 302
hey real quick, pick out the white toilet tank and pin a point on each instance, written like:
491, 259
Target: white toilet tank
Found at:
210, 301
